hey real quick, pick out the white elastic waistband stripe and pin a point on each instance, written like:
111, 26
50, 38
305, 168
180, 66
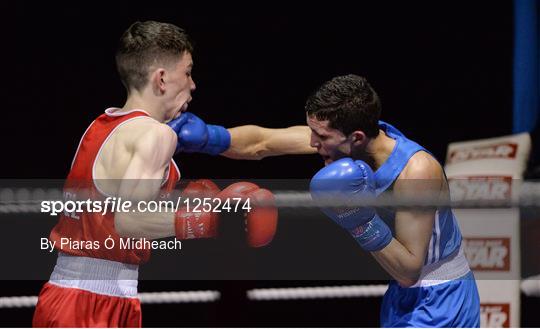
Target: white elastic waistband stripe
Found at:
99, 276
88, 268
450, 268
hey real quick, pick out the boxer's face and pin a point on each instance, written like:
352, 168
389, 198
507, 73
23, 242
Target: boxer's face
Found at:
180, 84
331, 143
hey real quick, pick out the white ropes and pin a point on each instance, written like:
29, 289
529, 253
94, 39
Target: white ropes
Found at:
317, 292
18, 302
202, 296
206, 296
169, 297
529, 286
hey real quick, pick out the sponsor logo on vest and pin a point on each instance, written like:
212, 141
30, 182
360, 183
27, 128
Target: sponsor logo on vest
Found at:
494, 151
488, 254
494, 315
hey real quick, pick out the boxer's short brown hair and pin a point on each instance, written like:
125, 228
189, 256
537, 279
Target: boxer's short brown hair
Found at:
349, 103
146, 43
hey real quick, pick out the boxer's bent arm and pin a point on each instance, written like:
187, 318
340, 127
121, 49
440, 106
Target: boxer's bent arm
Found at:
254, 143
152, 152
404, 257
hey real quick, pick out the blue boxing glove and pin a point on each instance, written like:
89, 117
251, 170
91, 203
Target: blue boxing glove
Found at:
347, 178
194, 135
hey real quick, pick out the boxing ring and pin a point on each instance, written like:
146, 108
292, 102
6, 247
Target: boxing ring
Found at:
491, 201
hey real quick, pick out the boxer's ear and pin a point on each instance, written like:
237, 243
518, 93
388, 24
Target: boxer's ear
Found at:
157, 80
358, 138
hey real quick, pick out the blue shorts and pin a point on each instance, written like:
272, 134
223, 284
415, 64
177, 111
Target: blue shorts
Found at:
451, 304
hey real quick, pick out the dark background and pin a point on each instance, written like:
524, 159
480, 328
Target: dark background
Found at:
443, 72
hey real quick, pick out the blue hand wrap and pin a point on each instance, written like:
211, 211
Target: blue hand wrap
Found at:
373, 235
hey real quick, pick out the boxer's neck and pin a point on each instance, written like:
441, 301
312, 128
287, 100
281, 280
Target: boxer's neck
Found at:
380, 148
137, 101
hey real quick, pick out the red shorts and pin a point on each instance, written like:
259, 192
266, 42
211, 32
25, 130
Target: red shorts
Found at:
70, 307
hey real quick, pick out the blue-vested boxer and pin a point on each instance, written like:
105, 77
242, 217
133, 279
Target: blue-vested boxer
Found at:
419, 248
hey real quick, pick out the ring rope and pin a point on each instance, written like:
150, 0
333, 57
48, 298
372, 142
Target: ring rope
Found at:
317, 292
169, 297
529, 286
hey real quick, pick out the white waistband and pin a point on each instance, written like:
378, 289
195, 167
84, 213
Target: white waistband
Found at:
452, 267
99, 276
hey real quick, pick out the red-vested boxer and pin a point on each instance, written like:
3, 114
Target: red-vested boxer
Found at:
98, 286
105, 279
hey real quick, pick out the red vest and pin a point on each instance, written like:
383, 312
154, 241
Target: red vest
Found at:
82, 231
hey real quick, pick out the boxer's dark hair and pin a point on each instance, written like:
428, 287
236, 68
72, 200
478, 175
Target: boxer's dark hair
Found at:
349, 103
146, 43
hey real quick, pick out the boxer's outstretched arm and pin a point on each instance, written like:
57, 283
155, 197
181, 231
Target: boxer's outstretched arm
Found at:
404, 257
152, 152
252, 142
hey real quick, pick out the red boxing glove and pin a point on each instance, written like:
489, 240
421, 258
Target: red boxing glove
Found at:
261, 221
201, 188
194, 225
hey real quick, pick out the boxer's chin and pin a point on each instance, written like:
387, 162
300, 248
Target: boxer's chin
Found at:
181, 110
327, 160
184, 107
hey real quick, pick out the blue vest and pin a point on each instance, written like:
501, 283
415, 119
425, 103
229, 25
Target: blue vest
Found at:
446, 237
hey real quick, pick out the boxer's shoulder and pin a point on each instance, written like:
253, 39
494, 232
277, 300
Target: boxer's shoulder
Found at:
422, 172
133, 134
421, 165
144, 135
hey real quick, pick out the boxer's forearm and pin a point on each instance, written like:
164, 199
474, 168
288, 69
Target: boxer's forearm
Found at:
404, 257
254, 143
137, 221
403, 266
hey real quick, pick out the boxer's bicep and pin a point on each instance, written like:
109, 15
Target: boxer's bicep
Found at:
414, 226
254, 143
152, 153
